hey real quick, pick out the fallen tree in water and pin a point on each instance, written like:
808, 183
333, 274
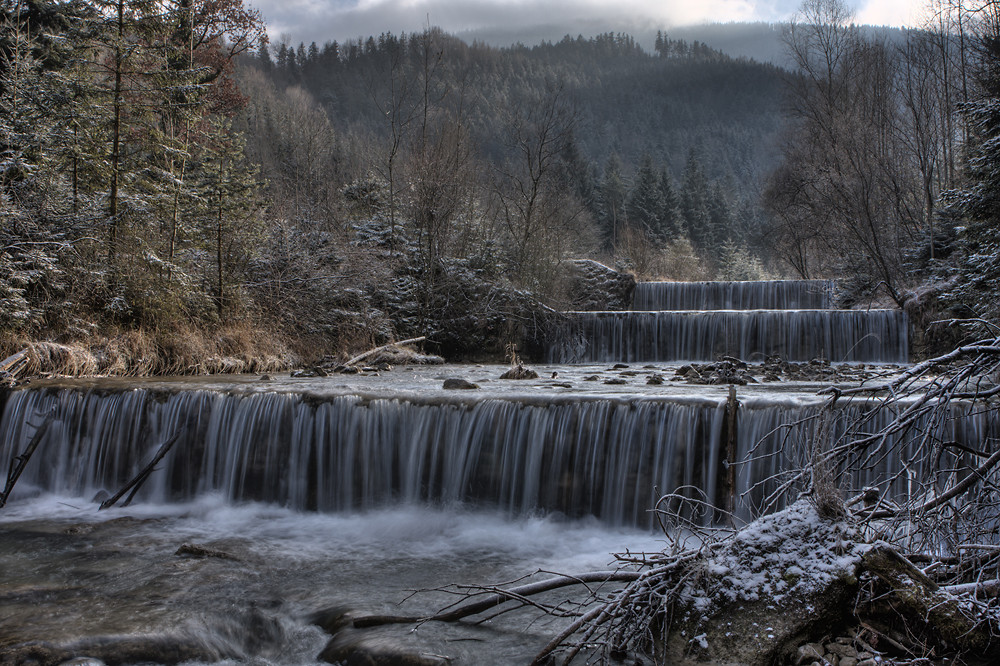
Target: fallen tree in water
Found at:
906, 570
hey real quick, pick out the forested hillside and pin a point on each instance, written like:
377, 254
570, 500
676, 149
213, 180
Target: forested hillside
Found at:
180, 195
169, 174
626, 101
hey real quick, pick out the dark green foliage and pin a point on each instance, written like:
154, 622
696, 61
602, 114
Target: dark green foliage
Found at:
694, 201
627, 101
611, 197
644, 203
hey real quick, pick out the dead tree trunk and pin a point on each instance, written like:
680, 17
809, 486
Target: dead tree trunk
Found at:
18, 463
141, 477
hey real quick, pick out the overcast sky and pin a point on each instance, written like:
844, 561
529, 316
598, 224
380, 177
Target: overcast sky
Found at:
325, 20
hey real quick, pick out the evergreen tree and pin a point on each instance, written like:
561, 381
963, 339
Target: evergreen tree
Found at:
264, 57
979, 201
670, 207
282, 59
579, 175
28, 247
720, 217
229, 208
612, 195
644, 203
694, 205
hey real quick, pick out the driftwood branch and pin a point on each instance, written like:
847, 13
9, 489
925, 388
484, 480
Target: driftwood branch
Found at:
371, 352
141, 477
498, 597
13, 364
18, 463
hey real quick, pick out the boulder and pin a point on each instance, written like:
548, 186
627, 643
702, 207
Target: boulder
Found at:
519, 372
775, 585
112, 650
456, 383
597, 287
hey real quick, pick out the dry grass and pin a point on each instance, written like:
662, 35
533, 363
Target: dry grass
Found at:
180, 351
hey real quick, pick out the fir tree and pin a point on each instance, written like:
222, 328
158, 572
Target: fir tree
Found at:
264, 57
694, 204
670, 213
644, 202
611, 201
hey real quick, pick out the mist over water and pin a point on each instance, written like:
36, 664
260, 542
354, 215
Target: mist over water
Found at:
289, 564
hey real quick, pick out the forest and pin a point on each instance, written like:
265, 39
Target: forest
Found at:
179, 194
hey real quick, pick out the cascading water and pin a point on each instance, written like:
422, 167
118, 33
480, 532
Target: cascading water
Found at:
873, 336
579, 455
347, 490
747, 295
703, 321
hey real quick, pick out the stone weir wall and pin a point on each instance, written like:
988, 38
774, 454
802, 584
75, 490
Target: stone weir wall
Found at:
580, 456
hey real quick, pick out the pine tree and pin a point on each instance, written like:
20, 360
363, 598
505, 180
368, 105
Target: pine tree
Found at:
694, 205
611, 201
32, 226
670, 207
264, 57
230, 210
644, 202
720, 217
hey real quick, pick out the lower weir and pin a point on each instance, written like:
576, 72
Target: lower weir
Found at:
609, 457
872, 336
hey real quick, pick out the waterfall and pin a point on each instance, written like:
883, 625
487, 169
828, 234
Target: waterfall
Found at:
747, 295
583, 455
579, 457
703, 321
872, 336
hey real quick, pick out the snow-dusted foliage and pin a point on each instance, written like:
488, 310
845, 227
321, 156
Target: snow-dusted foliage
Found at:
979, 202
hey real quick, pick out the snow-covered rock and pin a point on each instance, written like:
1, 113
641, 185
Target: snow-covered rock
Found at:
768, 590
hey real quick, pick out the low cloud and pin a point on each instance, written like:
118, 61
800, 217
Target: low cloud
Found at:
323, 20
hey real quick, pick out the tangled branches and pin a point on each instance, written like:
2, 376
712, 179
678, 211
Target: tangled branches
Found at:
944, 496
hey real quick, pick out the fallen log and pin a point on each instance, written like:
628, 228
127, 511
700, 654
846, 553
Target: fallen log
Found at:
12, 365
987, 588
141, 477
10, 361
372, 352
18, 463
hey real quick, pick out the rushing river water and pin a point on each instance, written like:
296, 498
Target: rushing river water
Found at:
413, 518
71, 572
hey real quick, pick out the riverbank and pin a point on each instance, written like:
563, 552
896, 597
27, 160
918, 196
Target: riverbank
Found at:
232, 349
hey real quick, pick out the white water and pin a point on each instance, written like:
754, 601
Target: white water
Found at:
872, 336
534, 451
291, 564
353, 490
758, 295
704, 321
